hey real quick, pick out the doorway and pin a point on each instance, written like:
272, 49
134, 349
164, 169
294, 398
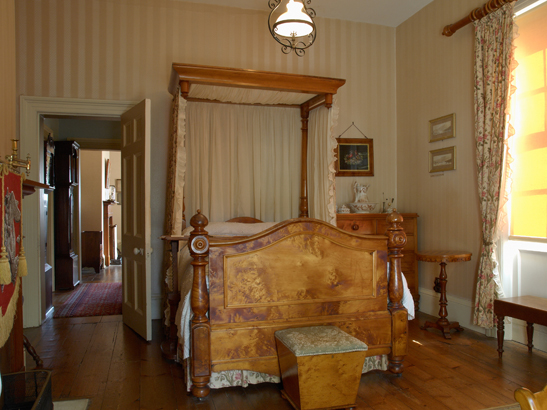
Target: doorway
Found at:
32, 112
97, 216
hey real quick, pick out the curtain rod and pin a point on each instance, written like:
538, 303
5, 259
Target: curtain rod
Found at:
477, 14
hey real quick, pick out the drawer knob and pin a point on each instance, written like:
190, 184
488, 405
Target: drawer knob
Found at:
355, 227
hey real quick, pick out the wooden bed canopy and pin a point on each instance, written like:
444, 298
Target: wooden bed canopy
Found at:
303, 91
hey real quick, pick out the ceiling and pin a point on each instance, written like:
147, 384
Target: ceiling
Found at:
383, 12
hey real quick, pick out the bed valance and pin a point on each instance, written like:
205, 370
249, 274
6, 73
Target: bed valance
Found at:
291, 89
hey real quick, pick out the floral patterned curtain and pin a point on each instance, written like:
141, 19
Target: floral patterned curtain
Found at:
493, 68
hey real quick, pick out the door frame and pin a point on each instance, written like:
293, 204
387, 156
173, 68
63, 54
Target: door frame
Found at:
31, 142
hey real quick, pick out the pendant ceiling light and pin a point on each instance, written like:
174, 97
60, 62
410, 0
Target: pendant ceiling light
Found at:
291, 24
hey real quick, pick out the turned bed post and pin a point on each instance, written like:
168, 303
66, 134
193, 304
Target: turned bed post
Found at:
200, 328
399, 315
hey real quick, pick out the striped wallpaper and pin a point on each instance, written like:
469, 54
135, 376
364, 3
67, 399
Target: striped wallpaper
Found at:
435, 78
123, 50
397, 80
7, 74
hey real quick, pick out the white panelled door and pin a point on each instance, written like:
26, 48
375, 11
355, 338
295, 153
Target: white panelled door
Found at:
136, 249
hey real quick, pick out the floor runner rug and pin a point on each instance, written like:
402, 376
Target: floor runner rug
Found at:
92, 299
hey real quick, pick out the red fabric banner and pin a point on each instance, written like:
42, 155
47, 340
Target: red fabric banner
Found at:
10, 239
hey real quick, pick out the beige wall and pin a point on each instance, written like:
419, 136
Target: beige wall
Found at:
123, 50
435, 78
7, 75
91, 182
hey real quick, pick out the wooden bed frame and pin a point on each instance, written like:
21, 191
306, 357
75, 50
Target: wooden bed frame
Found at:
301, 272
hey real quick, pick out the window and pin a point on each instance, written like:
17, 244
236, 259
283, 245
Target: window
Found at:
529, 144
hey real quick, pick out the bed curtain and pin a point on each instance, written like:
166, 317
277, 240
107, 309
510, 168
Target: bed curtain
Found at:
243, 160
321, 160
233, 160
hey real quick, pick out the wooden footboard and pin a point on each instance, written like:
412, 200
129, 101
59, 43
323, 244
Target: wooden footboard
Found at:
301, 272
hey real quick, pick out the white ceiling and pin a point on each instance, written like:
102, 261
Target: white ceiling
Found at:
383, 12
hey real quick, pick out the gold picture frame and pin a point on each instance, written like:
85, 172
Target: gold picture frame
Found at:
442, 128
443, 159
357, 157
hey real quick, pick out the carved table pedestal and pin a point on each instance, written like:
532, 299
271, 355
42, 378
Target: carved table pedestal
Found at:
443, 257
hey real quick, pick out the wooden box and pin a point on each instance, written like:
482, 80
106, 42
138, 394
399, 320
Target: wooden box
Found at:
92, 250
320, 367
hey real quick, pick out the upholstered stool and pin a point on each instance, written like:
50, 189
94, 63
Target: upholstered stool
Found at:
320, 367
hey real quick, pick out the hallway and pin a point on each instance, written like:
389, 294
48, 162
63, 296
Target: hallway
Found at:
109, 274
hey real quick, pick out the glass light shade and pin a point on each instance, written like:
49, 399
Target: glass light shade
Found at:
295, 22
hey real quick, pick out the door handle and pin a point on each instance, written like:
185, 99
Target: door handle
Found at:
138, 251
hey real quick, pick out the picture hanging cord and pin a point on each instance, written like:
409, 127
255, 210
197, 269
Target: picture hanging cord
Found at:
353, 125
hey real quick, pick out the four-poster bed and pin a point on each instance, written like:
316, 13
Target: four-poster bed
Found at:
299, 272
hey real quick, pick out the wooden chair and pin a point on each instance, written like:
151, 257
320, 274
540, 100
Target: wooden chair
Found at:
526, 400
531, 401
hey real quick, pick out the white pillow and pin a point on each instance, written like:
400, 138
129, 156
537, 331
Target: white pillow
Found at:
233, 228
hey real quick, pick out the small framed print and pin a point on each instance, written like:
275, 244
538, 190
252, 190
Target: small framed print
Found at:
354, 157
118, 185
442, 128
443, 159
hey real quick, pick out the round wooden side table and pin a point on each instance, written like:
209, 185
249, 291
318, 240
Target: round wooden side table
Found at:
442, 258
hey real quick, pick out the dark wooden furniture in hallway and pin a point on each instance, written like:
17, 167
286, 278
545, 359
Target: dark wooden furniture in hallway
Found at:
531, 309
66, 191
92, 250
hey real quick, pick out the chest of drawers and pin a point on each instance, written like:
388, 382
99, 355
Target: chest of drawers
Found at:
375, 224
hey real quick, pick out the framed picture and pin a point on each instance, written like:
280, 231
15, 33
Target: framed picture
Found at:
107, 174
49, 167
443, 159
118, 185
354, 157
442, 128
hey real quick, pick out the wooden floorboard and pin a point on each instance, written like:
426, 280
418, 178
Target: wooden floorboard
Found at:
101, 359
105, 361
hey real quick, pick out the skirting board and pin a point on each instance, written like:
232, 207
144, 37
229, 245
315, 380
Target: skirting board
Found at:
540, 334
461, 310
157, 311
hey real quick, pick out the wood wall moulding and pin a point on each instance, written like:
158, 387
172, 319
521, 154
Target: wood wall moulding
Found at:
30, 186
